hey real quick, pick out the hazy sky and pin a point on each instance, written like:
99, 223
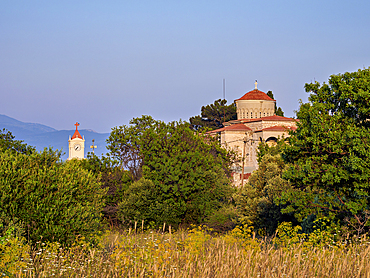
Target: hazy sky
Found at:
102, 63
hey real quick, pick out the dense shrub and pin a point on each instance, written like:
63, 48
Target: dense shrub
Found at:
258, 200
56, 201
140, 203
113, 178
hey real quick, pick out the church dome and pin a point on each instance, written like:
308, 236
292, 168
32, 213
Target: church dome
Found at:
255, 104
255, 95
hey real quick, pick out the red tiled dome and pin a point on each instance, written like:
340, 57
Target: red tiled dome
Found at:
255, 95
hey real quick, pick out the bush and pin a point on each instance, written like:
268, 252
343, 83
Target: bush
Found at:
139, 203
113, 178
14, 252
56, 201
222, 220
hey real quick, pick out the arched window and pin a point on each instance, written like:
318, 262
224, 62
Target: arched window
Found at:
271, 141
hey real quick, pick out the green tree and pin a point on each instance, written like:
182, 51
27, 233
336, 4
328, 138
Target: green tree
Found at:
257, 201
189, 172
7, 142
113, 178
278, 110
55, 201
270, 94
329, 152
125, 143
213, 115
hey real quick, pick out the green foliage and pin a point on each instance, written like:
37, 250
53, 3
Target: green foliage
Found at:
125, 144
329, 152
55, 201
140, 202
278, 110
7, 142
14, 253
270, 94
289, 235
222, 220
189, 171
243, 231
325, 233
213, 115
275, 149
112, 178
258, 200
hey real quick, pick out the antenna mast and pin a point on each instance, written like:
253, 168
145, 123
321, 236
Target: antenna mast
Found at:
223, 87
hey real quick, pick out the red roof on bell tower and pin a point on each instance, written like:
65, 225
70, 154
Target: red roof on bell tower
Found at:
76, 134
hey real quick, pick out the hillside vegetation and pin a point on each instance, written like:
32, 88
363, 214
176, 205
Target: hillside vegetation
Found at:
161, 202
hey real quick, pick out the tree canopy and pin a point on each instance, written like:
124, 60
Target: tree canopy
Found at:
278, 110
125, 144
186, 172
328, 154
8, 142
213, 115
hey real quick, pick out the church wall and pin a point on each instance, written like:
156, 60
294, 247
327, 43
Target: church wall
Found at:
255, 125
234, 141
266, 124
258, 125
251, 109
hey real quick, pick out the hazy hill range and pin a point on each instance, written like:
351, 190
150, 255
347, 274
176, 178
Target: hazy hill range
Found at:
42, 136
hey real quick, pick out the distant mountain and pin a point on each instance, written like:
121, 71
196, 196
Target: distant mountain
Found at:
42, 136
23, 128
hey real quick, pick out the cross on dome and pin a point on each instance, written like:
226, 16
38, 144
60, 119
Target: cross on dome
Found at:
255, 85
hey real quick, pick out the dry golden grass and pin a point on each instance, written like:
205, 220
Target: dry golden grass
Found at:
197, 254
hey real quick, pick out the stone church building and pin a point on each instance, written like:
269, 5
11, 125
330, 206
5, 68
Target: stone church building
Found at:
256, 122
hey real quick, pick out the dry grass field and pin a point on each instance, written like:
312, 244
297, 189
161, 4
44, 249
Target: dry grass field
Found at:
194, 253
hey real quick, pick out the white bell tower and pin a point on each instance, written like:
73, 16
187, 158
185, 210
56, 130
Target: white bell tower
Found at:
76, 145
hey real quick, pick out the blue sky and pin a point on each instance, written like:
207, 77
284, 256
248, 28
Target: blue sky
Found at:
102, 63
